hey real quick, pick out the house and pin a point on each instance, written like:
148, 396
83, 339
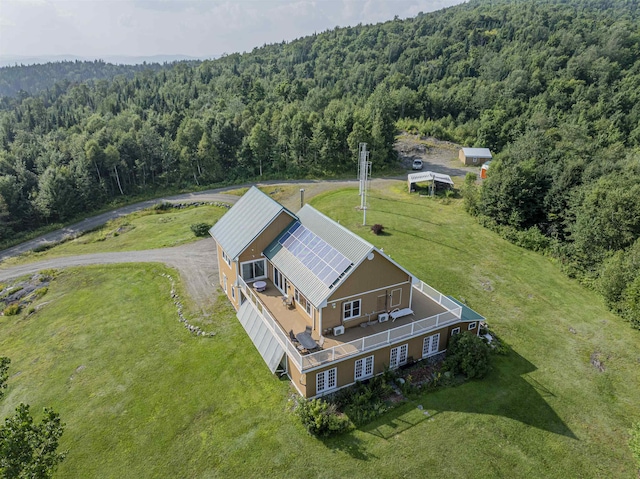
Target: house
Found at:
321, 304
474, 156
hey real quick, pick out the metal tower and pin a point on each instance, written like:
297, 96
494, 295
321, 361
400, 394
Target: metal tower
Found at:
364, 174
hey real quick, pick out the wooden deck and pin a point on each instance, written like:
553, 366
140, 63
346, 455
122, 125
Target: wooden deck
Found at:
296, 320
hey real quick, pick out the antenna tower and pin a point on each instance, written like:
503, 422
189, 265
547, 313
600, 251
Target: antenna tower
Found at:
364, 174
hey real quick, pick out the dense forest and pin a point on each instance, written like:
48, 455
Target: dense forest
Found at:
553, 87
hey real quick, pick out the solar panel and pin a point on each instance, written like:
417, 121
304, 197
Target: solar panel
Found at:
322, 259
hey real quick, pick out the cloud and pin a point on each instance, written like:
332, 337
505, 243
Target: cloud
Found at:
200, 28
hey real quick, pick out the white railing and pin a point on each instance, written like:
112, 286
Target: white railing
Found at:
439, 298
378, 340
272, 324
363, 344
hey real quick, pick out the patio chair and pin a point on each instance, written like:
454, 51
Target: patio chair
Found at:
308, 329
321, 342
292, 336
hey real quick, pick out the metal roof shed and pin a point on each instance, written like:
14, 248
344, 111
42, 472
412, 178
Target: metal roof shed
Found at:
474, 156
428, 176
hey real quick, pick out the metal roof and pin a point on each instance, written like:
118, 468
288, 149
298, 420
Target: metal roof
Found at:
245, 221
354, 248
477, 152
468, 314
345, 241
429, 176
262, 337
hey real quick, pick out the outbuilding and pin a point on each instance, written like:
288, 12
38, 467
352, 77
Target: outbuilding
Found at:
474, 156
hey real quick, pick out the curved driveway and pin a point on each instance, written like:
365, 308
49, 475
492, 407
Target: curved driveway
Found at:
196, 262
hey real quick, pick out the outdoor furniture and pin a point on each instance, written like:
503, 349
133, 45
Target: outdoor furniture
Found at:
399, 313
292, 336
260, 286
286, 301
306, 340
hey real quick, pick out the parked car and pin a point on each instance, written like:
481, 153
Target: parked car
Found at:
417, 165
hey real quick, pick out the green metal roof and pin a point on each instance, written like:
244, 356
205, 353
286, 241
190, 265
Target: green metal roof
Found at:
468, 314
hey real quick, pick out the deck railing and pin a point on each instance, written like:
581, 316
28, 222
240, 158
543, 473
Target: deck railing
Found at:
360, 345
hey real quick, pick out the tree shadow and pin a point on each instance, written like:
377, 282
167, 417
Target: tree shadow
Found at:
508, 391
350, 444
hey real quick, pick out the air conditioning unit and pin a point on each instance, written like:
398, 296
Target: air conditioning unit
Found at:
382, 317
338, 330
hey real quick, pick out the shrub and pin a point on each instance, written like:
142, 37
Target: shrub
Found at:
200, 229
321, 418
377, 229
12, 309
163, 206
467, 354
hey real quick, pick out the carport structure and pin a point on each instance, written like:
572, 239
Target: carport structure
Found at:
428, 177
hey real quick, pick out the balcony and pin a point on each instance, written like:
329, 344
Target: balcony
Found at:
432, 311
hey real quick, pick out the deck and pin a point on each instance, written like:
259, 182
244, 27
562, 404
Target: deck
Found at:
428, 314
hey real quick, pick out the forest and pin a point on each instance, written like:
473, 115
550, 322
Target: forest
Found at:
552, 87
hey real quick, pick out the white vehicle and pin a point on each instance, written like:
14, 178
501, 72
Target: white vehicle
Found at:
417, 165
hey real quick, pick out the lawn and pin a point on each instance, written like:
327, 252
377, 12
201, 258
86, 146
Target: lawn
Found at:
143, 230
143, 398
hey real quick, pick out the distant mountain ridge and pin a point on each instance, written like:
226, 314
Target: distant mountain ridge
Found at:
22, 60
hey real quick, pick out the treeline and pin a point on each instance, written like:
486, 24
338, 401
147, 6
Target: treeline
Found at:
554, 87
33, 79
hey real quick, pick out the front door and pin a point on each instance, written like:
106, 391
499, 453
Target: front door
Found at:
279, 280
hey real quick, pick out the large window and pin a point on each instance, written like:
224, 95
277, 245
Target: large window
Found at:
224, 282
351, 309
398, 356
430, 345
254, 270
364, 368
326, 380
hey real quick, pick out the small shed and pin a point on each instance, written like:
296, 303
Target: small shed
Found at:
484, 170
474, 156
431, 177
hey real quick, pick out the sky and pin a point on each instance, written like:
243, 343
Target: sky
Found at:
197, 28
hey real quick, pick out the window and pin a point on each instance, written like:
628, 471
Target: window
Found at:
296, 295
224, 282
233, 292
472, 326
307, 307
351, 309
398, 356
455, 331
226, 258
326, 380
253, 270
364, 368
430, 345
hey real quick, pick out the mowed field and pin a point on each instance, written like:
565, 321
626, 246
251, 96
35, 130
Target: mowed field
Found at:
143, 398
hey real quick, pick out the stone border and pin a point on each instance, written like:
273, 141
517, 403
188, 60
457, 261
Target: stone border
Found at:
196, 330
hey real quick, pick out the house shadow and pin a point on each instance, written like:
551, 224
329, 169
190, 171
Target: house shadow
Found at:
507, 391
349, 444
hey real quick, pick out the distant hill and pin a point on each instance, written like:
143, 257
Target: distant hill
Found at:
20, 60
35, 78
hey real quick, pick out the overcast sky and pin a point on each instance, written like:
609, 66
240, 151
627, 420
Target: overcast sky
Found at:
100, 28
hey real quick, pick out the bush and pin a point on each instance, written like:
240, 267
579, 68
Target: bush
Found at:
321, 418
12, 309
467, 354
377, 229
163, 206
200, 229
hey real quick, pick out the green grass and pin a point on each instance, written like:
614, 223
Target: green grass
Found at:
153, 401
143, 230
